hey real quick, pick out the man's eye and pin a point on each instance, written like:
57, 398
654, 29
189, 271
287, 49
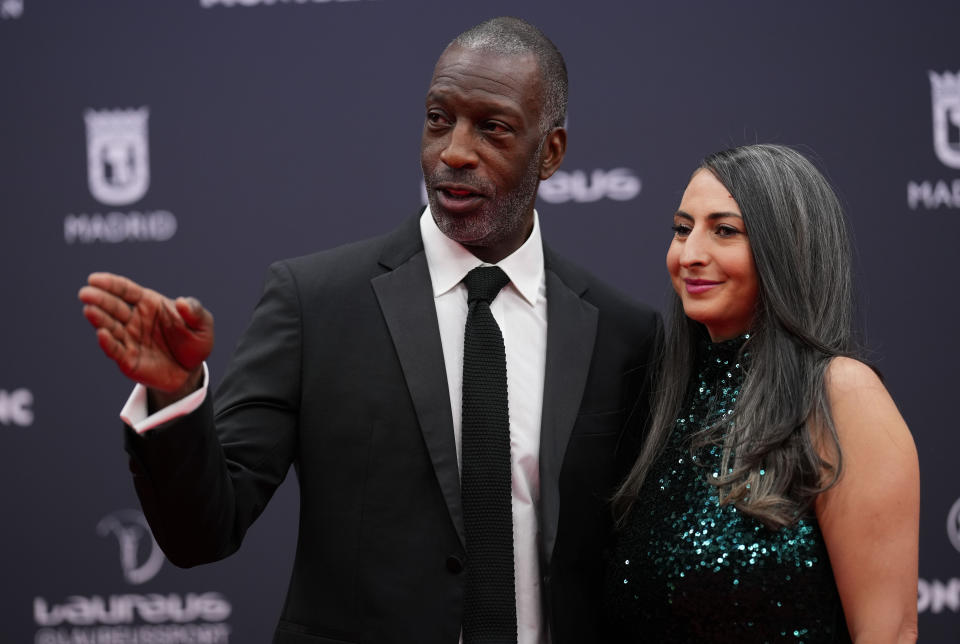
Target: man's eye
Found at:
494, 126
436, 118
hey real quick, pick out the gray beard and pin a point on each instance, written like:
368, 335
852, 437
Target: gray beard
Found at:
499, 218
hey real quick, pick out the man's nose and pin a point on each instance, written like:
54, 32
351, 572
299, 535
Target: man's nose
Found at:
459, 151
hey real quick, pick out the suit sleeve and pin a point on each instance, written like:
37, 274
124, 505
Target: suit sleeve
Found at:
204, 478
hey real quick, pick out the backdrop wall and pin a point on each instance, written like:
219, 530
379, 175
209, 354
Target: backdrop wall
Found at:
188, 144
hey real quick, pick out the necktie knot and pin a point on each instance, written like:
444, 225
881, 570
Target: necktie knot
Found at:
484, 283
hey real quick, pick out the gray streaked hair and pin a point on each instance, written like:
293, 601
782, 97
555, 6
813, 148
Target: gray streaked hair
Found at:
516, 37
804, 318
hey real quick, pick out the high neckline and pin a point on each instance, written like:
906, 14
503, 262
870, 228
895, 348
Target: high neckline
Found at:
724, 348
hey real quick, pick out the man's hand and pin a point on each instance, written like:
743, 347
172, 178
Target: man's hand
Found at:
158, 342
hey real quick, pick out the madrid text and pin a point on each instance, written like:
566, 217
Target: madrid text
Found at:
118, 227
931, 195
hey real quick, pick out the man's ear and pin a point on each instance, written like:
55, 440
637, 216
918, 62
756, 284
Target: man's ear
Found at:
554, 149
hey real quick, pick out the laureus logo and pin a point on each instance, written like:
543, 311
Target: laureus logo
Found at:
953, 525
945, 94
131, 531
618, 184
118, 160
209, 4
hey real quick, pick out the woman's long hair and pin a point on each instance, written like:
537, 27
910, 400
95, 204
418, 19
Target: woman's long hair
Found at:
771, 467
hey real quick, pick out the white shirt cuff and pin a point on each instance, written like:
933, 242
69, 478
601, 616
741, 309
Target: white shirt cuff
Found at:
135, 414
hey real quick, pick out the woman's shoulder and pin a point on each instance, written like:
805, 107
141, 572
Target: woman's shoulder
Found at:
854, 389
846, 375
864, 413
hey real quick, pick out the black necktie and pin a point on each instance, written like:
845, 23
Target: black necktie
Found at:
490, 609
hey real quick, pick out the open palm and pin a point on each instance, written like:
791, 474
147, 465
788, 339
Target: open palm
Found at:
156, 341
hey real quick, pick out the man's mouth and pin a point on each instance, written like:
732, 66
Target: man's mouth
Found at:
459, 190
458, 198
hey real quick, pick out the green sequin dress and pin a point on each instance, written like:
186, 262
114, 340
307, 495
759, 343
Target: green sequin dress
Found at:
686, 569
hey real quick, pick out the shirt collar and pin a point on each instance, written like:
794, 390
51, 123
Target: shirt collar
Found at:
449, 262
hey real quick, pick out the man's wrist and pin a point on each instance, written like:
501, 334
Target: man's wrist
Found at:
157, 399
135, 412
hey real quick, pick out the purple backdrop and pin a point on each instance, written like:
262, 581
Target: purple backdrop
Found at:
241, 131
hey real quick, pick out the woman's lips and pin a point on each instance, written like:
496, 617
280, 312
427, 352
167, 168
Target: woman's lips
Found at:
699, 286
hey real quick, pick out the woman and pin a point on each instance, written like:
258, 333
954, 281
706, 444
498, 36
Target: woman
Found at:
776, 497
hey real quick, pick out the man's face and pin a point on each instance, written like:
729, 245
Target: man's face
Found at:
481, 149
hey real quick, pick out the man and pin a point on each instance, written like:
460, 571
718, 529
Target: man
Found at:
354, 367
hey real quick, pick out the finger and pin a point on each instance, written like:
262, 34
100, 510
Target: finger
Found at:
97, 316
118, 285
100, 320
193, 314
90, 294
107, 302
114, 349
128, 361
108, 327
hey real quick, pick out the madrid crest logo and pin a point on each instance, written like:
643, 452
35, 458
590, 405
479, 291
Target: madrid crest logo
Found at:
11, 8
118, 161
945, 90
140, 556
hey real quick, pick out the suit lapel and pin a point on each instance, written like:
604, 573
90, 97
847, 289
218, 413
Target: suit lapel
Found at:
406, 300
571, 333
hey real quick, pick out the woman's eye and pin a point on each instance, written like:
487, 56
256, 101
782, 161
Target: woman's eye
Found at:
680, 230
726, 231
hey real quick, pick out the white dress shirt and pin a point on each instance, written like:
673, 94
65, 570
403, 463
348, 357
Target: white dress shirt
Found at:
521, 312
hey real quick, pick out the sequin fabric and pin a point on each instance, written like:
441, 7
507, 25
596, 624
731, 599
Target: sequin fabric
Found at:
686, 569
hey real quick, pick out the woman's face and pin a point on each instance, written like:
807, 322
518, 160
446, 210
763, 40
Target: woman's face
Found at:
709, 259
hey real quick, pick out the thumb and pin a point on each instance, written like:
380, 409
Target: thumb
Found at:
194, 315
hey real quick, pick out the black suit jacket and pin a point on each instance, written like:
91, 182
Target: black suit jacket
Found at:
341, 374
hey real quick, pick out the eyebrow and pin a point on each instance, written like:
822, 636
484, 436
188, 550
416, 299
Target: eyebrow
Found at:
491, 105
712, 215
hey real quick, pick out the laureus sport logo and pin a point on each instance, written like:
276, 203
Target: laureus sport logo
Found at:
953, 525
118, 158
945, 94
139, 564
